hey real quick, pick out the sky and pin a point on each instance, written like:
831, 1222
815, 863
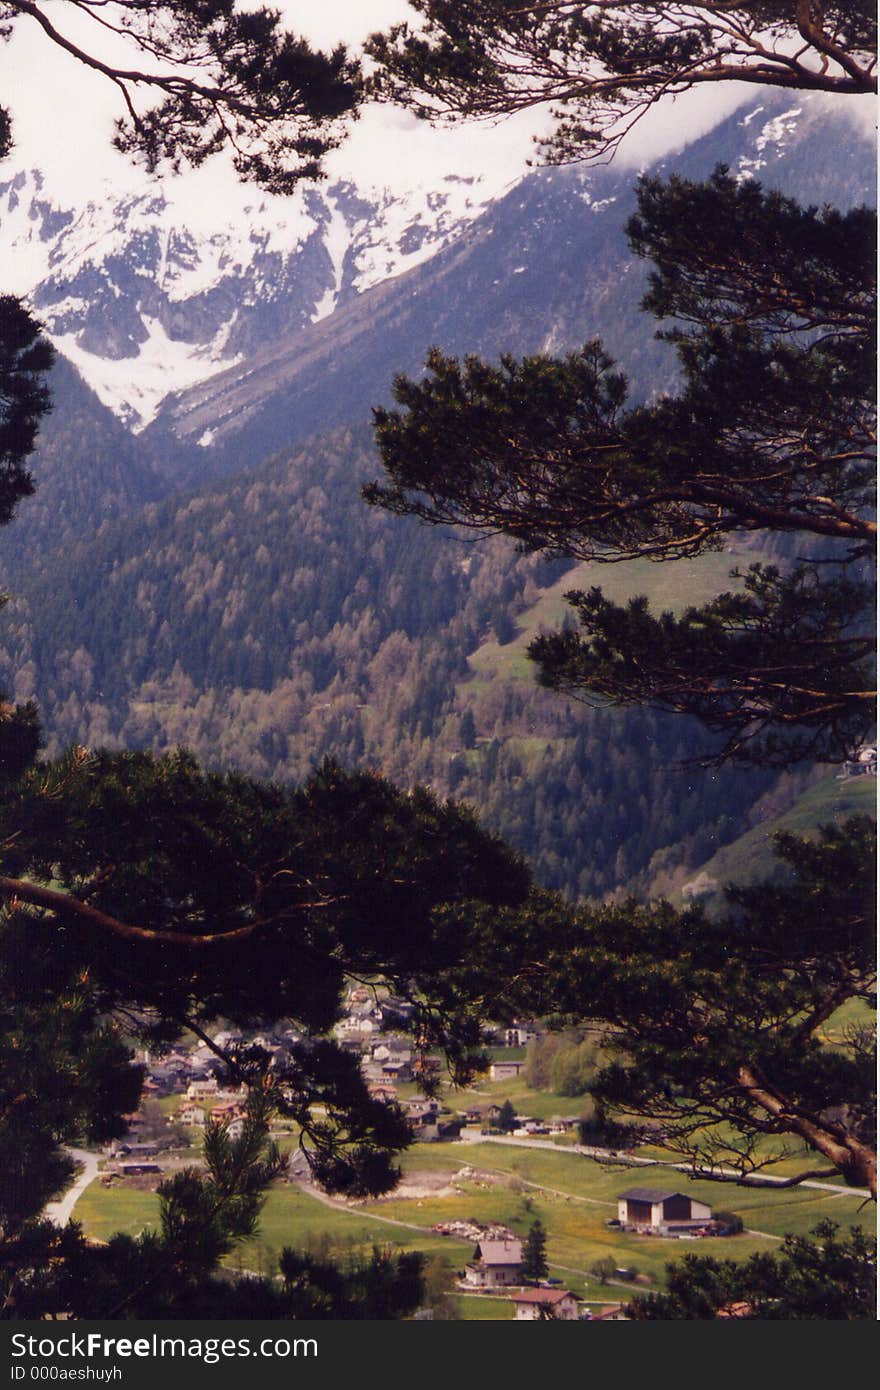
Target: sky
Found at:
64, 116
64, 119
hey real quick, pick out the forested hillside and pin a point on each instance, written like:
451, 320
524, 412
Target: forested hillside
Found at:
89, 471
268, 617
269, 621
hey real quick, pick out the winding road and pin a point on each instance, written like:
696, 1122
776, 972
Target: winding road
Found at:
634, 1161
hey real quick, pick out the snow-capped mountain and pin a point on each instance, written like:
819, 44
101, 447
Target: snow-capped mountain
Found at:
543, 269
151, 289
154, 288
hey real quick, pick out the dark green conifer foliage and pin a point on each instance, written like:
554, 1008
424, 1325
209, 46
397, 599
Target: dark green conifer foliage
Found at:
506, 1120
772, 431
534, 1265
25, 357
716, 1024
600, 67
179, 896
380, 1286
215, 75
829, 1277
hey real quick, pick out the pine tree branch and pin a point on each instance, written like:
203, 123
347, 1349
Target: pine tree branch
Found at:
68, 906
171, 83
851, 1157
754, 1180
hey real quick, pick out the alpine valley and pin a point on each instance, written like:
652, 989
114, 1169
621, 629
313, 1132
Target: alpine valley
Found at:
198, 567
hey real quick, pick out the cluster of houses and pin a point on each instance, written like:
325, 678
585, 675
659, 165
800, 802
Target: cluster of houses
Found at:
497, 1262
497, 1267
195, 1074
374, 1028
206, 1101
197, 1077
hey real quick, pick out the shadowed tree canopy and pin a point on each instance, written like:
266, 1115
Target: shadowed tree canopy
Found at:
25, 357
170, 1271
772, 431
719, 1026
600, 67
828, 1277
198, 76
186, 896
378, 1287
177, 897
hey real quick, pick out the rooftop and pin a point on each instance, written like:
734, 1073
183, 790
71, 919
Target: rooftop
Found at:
546, 1296
648, 1194
500, 1252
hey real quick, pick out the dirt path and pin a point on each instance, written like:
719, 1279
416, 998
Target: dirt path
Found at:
338, 1205
541, 1187
599, 1202
61, 1211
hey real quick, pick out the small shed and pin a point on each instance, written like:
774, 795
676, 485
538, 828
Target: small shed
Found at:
505, 1071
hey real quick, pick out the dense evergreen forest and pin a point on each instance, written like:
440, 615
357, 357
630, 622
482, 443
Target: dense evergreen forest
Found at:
274, 619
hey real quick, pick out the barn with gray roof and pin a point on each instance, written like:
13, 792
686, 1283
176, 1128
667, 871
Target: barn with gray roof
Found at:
660, 1210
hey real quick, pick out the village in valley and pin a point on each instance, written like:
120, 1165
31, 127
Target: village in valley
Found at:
494, 1169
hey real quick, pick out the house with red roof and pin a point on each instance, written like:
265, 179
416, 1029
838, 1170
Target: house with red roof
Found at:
558, 1304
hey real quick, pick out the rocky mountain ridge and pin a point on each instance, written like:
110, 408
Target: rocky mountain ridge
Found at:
144, 291
154, 288
542, 269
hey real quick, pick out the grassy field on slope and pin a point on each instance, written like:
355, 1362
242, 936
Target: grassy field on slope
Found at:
574, 1197
672, 587
751, 857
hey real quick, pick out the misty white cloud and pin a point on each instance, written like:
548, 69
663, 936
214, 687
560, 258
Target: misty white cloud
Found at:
64, 118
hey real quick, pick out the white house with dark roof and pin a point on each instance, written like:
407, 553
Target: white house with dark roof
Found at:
660, 1211
209, 1089
495, 1263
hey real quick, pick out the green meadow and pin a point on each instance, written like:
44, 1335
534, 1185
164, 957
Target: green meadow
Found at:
496, 1182
751, 858
672, 587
